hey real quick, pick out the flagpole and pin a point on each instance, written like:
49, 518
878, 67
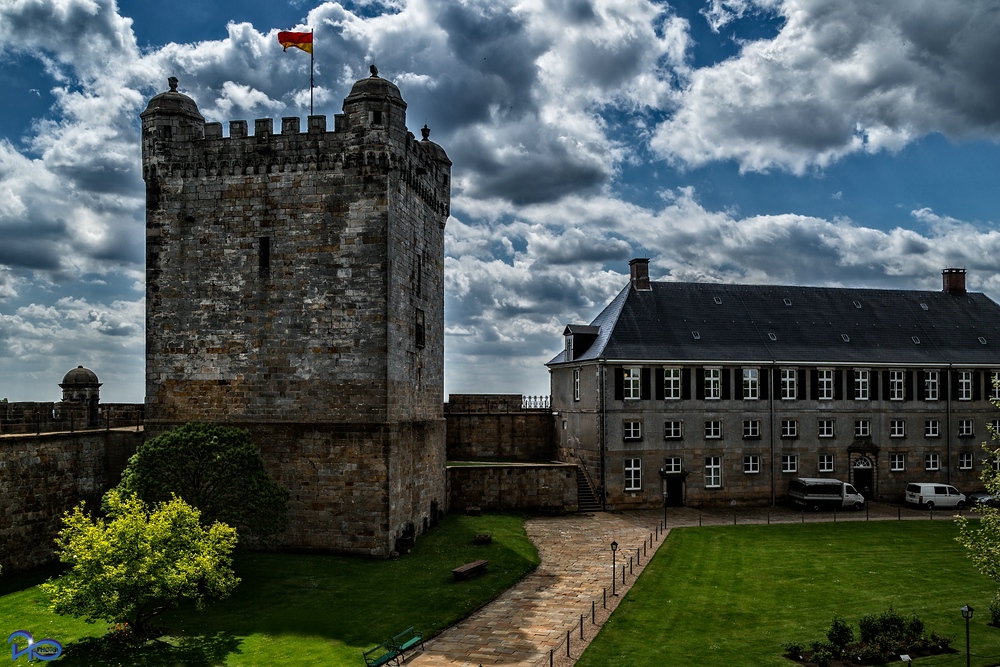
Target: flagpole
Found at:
312, 61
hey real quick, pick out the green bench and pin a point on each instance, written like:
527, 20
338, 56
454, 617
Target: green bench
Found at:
392, 650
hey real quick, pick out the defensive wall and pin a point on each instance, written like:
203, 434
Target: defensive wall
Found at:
43, 476
49, 417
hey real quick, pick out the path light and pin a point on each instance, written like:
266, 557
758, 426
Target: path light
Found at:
967, 614
614, 549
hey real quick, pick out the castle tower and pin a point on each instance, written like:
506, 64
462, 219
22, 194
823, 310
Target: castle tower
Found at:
295, 287
81, 396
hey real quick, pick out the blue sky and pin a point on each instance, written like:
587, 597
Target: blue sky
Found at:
817, 142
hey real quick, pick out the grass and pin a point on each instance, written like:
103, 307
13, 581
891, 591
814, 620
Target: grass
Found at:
735, 595
302, 609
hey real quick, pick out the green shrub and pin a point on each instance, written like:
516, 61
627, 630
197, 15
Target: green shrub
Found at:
913, 630
823, 657
995, 611
889, 627
793, 649
869, 654
840, 635
941, 641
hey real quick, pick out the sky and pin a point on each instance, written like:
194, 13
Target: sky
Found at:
813, 142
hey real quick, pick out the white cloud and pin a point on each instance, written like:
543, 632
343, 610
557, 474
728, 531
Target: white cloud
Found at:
842, 76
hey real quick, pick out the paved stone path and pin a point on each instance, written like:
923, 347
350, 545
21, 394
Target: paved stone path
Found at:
522, 626
527, 621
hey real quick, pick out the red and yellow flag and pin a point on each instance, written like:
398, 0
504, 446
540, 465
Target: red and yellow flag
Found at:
300, 40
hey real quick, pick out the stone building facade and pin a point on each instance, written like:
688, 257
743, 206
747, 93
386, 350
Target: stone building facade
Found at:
712, 394
295, 287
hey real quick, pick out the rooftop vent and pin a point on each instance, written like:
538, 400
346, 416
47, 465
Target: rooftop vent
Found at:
924, 306
857, 304
788, 302
718, 300
982, 340
847, 339
916, 340
772, 336
696, 335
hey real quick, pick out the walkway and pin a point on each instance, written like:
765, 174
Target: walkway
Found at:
527, 622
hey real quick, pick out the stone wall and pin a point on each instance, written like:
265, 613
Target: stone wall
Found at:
538, 487
43, 476
495, 427
49, 417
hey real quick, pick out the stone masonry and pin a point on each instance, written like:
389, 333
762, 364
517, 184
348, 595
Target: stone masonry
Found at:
295, 287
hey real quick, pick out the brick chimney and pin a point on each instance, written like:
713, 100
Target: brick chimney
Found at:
639, 270
954, 281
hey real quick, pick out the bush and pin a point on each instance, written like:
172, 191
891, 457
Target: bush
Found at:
840, 635
940, 641
888, 627
793, 649
822, 657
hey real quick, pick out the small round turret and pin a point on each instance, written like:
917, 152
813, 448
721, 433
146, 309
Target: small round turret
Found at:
434, 151
169, 117
375, 103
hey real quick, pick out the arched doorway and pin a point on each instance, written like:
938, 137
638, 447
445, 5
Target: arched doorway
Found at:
864, 477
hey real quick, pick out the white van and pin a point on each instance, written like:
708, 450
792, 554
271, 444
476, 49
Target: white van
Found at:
930, 495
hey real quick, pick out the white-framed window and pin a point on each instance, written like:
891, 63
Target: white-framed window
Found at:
932, 428
632, 429
862, 428
671, 384
932, 461
633, 384
673, 429
825, 390
995, 428
965, 428
751, 464
897, 428
897, 385
789, 463
995, 385
965, 461
788, 386
965, 385
789, 428
673, 464
576, 384
826, 428
633, 474
861, 381
826, 462
931, 385
751, 384
713, 472
713, 428
751, 428
897, 462
713, 384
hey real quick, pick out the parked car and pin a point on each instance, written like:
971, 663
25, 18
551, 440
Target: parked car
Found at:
929, 495
984, 498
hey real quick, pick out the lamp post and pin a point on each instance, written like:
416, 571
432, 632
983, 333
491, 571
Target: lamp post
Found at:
967, 614
614, 567
664, 506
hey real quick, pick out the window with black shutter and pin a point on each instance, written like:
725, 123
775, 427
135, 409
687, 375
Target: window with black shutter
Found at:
764, 373
699, 384
686, 384
977, 385
645, 377
921, 385
874, 384
908, 396
619, 374
727, 374
658, 384
800, 384
838, 385
814, 384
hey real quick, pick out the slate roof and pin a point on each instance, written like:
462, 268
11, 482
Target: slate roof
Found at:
695, 322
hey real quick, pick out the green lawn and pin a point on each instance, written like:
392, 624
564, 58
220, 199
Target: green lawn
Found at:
735, 595
303, 610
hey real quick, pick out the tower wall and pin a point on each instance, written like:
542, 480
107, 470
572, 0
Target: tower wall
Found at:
287, 277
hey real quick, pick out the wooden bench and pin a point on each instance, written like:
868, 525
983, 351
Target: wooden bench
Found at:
469, 569
382, 654
407, 639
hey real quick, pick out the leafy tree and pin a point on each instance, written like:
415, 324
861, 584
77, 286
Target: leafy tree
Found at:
218, 470
982, 541
139, 561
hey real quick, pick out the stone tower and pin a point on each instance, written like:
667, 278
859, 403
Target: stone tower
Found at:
295, 287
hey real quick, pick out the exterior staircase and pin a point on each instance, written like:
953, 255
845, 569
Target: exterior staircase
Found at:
587, 500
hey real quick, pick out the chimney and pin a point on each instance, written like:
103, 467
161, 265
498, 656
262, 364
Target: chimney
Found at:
954, 281
639, 270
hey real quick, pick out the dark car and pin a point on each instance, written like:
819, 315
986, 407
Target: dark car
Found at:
984, 498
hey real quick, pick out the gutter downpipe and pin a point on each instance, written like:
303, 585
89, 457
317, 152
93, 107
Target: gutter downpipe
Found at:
948, 421
604, 434
770, 404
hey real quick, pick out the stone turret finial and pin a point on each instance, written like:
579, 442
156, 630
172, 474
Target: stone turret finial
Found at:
172, 82
373, 69
425, 132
